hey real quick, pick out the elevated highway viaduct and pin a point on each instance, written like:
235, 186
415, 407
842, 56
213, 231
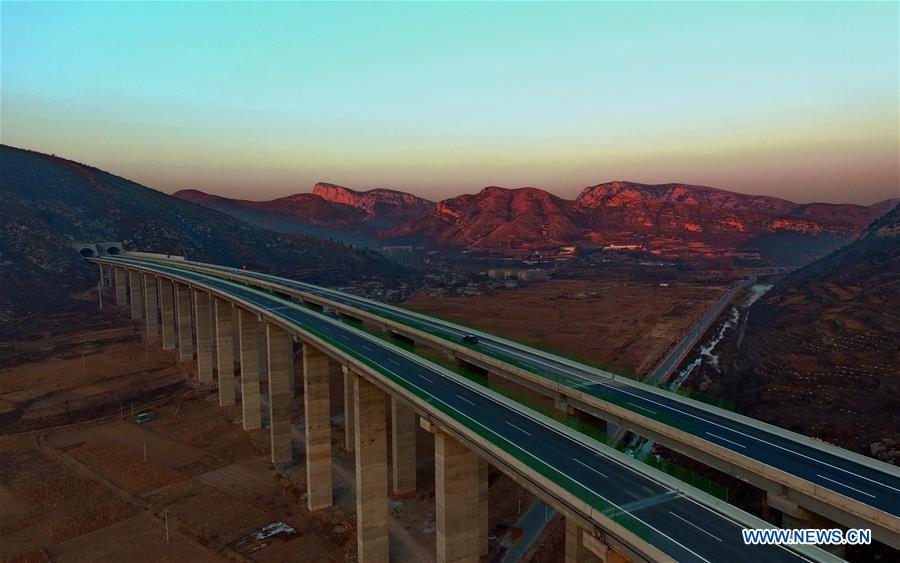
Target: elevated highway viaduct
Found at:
615, 507
812, 483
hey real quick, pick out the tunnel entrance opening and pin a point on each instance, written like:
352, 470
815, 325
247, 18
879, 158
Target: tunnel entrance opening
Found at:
87, 252
113, 250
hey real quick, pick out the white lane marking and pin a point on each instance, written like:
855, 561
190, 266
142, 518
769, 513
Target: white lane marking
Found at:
843, 485
640, 407
742, 526
367, 348
725, 439
517, 428
617, 462
529, 416
429, 380
393, 361
688, 522
613, 460
280, 308
578, 461
578, 443
539, 460
458, 396
700, 418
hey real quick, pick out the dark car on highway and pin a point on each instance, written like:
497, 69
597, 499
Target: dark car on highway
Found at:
470, 338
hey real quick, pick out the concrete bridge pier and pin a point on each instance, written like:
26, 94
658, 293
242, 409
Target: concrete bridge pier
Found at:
248, 330
317, 411
794, 516
184, 322
403, 448
483, 507
280, 345
297, 348
456, 477
576, 551
225, 351
582, 547
561, 404
370, 436
349, 414
167, 312
263, 342
136, 294
151, 306
203, 319
121, 287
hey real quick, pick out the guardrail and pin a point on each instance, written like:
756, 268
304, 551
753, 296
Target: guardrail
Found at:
676, 433
573, 497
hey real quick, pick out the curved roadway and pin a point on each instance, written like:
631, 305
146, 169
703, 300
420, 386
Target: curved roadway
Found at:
863, 483
678, 525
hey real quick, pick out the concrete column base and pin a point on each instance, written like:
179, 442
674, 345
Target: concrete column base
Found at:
794, 516
136, 295
576, 551
483, 508
151, 306
263, 353
248, 335
456, 471
225, 351
281, 362
203, 319
167, 312
317, 410
349, 414
403, 449
121, 287
370, 435
185, 323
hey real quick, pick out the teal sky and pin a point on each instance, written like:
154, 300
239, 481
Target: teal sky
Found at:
258, 100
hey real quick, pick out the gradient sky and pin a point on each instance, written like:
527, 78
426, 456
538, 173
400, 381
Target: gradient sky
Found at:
798, 100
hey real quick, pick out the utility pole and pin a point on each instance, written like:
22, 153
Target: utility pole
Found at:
166, 516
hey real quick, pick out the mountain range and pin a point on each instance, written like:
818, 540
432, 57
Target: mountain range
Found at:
330, 211
48, 202
667, 219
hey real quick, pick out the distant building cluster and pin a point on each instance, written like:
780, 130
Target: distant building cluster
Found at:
521, 274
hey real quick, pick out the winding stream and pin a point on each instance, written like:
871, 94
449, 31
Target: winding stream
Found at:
640, 447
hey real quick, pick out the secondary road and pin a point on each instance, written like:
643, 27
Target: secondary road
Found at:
680, 526
868, 485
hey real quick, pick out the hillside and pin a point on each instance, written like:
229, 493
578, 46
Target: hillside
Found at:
381, 208
667, 219
302, 213
47, 202
820, 351
497, 218
330, 211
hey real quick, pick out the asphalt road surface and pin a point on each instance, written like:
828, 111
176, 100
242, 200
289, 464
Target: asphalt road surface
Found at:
868, 485
673, 522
